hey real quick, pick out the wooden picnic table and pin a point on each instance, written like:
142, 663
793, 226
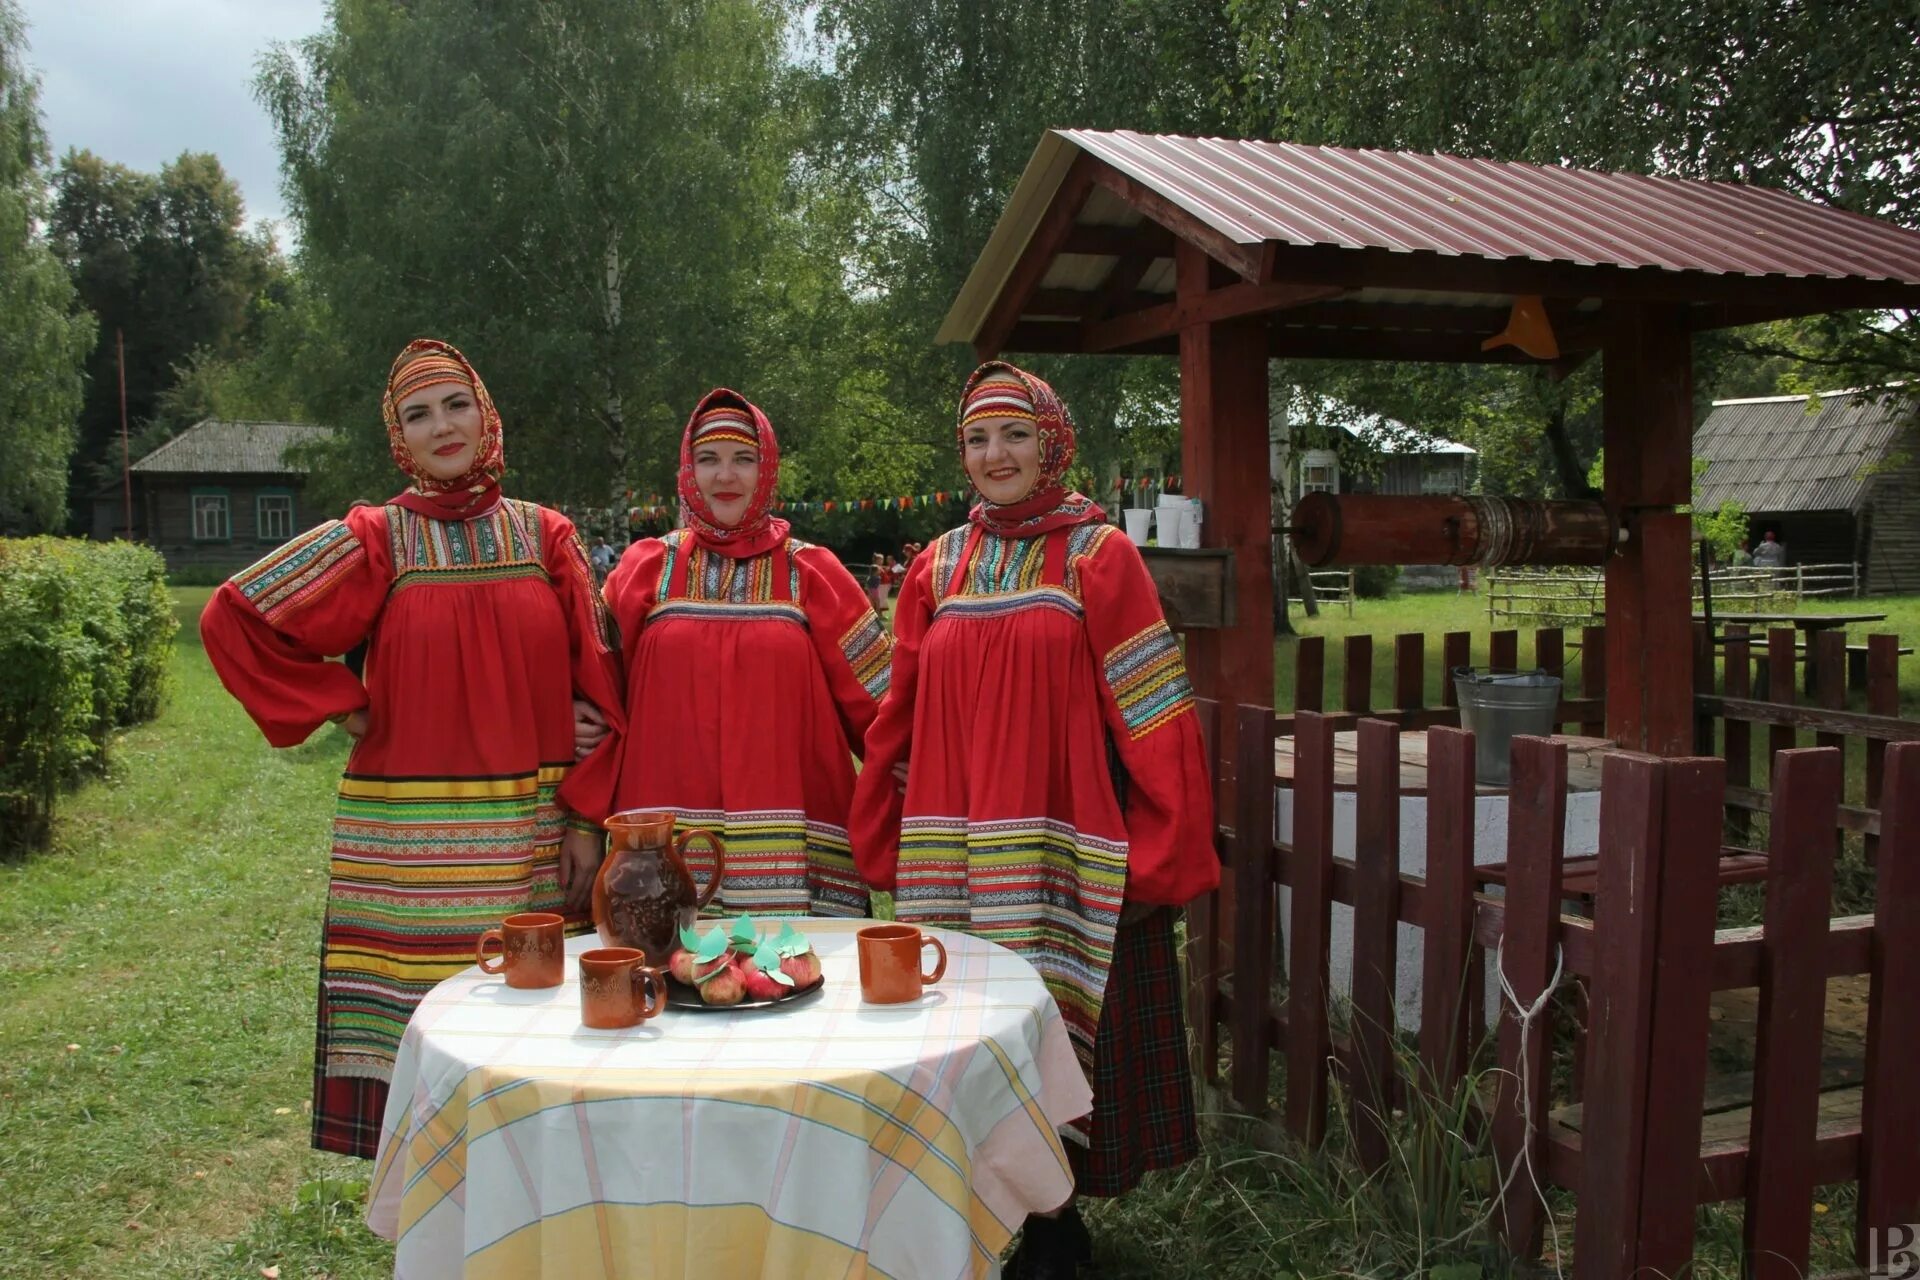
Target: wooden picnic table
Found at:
1808, 624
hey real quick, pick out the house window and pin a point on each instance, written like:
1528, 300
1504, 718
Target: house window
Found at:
210, 517
1319, 471
1440, 477
274, 514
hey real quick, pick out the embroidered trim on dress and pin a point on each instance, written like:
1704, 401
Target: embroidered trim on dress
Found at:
1149, 679
293, 576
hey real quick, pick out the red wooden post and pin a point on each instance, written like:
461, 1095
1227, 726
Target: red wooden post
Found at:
1593, 676
1688, 866
1536, 847
1253, 878
1883, 699
1703, 743
1830, 681
1309, 678
1448, 921
1456, 650
1890, 1105
1793, 1006
1550, 655
1310, 876
1223, 423
1376, 931
1358, 680
1647, 428
1410, 671
1204, 967
1738, 734
1620, 1019
1503, 650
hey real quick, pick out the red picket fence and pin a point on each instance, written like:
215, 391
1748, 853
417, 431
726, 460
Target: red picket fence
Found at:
1636, 1154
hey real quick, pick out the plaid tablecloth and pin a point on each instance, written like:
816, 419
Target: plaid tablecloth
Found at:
830, 1139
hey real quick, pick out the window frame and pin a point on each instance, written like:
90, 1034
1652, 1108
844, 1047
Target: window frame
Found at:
260, 498
194, 495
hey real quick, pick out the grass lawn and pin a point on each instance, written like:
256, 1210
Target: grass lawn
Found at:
157, 971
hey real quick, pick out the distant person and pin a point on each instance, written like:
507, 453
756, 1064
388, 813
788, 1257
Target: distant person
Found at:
462, 801
1771, 553
603, 557
1742, 555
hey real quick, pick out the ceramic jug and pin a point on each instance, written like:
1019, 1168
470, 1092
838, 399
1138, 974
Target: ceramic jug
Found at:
644, 894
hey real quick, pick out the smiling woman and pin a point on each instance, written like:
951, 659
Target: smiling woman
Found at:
461, 803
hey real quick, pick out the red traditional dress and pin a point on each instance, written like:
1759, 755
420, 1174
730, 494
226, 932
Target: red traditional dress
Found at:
755, 665
1029, 644
482, 623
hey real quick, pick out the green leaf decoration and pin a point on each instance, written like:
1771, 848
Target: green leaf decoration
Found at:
702, 979
711, 947
792, 942
689, 939
768, 958
743, 931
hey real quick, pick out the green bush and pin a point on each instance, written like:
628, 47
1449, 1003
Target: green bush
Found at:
86, 631
1376, 581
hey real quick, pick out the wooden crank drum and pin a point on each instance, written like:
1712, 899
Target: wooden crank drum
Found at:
1354, 529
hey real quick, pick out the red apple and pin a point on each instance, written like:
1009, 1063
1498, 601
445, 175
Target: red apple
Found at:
680, 964
726, 986
762, 985
804, 969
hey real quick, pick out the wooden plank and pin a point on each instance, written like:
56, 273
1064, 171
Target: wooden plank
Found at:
1737, 732
1550, 655
1593, 678
1456, 651
1883, 699
1189, 231
1503, 650
1780, 689
1204, 969
1310, 868
1376, 917
1851, 817
1448, 919
1703, 679
1793, 1004
1309, 673
1357, 685
1890, 1105
1689, 892
1620, 1049
1853, 723
1410, 671
1253, 919
1829, 667
1230, 302
1536, 837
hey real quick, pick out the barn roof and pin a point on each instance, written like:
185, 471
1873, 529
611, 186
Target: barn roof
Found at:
226, 447
1798, 453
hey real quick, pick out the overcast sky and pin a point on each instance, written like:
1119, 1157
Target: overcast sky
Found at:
139, 81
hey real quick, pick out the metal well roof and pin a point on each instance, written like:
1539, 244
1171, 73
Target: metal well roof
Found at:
1797, 453
215, 445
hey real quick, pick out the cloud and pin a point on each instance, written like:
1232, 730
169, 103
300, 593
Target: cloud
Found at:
139, 81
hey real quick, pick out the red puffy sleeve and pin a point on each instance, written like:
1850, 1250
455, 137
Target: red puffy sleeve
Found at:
594, 654
632, 588
1149, 712
270, 629
855, 650
874, 829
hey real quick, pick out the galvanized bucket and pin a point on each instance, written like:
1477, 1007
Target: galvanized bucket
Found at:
1496, 705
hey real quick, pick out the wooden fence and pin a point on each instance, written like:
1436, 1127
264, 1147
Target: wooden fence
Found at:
1560, 595
1634, 1148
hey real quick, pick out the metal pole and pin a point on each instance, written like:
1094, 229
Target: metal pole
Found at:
126, 460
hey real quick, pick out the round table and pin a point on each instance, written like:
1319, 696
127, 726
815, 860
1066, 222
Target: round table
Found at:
831, 1138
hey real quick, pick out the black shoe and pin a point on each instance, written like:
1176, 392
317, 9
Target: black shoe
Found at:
1051, 1248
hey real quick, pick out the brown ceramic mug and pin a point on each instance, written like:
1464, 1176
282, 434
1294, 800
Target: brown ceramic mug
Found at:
617, 989
890, 970
533, 948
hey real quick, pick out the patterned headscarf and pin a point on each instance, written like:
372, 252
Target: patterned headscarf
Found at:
1001, 390
724, 415
427, 362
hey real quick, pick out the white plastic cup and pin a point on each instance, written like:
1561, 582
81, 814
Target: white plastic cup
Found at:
1190, 526
1137, 519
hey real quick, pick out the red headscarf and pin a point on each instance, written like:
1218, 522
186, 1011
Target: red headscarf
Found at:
1001, 390
427, 362
730, 416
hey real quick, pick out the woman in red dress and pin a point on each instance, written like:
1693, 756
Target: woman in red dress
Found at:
1056, 797
461, 803
754, 666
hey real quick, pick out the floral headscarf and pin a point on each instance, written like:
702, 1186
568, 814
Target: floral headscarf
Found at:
427, 362
1001, 390
724, 415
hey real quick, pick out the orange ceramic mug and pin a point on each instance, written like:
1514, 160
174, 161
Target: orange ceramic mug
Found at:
617, 989
532, 949
890, 963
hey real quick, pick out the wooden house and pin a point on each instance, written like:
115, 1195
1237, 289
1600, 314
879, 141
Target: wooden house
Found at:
1835, 476
220, 494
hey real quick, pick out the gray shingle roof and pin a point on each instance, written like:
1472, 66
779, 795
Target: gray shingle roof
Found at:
1775, 454
232, 447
